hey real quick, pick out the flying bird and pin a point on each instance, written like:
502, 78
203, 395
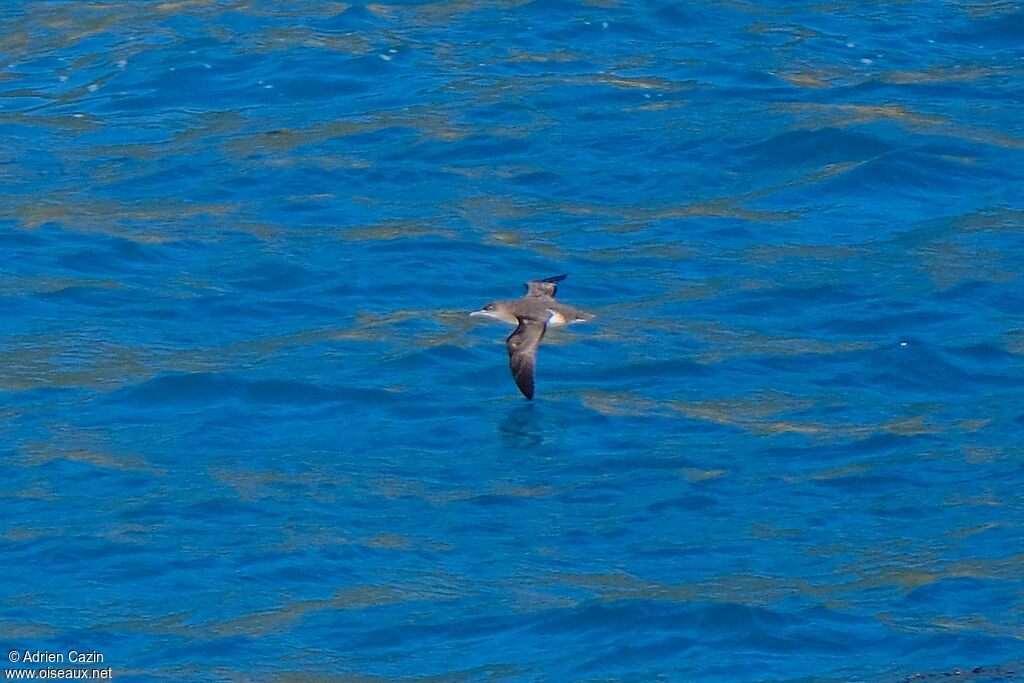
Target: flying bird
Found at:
531, 315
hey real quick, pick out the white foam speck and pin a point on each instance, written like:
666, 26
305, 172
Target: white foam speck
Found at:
851, 45
78, 116
903, 343
62, 79
604, 24
386, 58
92, 87
122, 63
867, 61
393, 51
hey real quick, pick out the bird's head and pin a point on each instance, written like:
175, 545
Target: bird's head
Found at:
499, 310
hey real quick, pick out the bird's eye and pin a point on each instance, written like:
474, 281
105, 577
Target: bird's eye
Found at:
489, 307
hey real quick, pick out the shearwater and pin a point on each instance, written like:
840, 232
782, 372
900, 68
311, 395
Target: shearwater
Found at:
531, 315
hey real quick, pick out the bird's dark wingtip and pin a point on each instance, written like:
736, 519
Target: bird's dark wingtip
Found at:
525, 386
555, 278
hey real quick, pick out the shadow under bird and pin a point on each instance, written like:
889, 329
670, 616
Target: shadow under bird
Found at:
532, 315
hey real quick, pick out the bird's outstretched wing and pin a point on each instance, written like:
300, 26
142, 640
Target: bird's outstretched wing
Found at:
545, 287
522, 352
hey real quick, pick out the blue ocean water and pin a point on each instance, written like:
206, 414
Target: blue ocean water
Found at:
249, 431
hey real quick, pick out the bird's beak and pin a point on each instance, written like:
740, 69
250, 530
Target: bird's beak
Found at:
483, 313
